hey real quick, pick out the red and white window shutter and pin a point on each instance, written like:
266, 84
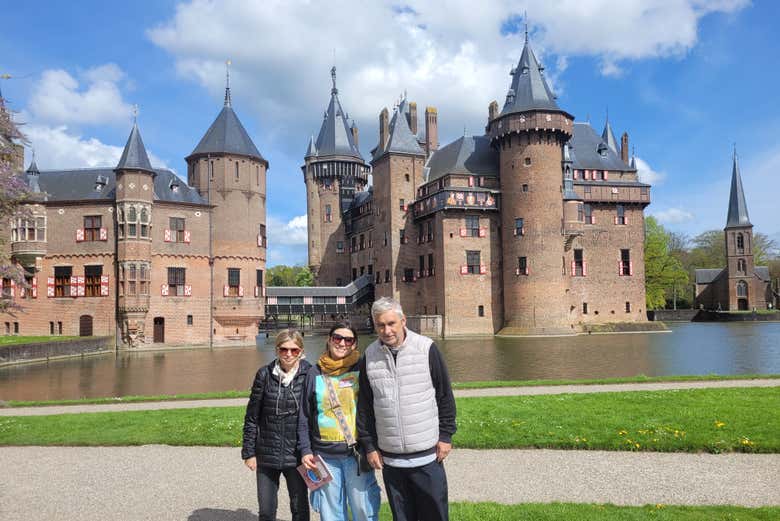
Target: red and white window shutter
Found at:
188, 290
187, 236
49, 287
104, 234
241, 291
164, 290
34, 288
168, 236
79, 234
483, 232
463, 232
104, 285
464, 270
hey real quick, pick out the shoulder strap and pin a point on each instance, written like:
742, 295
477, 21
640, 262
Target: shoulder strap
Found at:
335, 405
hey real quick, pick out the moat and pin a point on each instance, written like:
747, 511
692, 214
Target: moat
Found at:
690, 349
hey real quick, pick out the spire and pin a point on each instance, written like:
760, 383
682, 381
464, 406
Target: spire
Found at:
33, 168
529, 89
335, 137
608, 136
134, 156
311, 150
227, 83
33, 174
738, 212
633, 158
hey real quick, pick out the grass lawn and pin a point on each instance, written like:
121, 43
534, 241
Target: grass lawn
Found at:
455, 385
10, 340
586, 512
709, 420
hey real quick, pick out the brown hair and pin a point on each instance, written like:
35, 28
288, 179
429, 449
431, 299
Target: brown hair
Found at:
289, 334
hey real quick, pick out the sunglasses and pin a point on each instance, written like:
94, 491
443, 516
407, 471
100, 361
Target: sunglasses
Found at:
348, 340
295, 351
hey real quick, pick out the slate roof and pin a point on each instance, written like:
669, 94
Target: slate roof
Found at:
335, 137
529, 89
82, 185
227, 136
320, 291
400, 138
585, 150
608, 137
465, 155
361, 198
708, 275
738, 212
134, 156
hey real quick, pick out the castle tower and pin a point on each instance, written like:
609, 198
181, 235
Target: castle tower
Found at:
743, 293
230, 173
530, 133
134, 198
333, 171
398, 162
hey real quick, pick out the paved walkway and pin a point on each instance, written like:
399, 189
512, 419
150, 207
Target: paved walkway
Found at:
162, 483
493, 391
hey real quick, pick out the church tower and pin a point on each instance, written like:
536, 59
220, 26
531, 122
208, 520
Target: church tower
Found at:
743, 294
530, 134
333, 171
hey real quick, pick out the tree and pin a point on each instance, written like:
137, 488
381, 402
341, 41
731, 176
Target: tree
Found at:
709, 249
282, 275
663, 271
13, 194
304, 277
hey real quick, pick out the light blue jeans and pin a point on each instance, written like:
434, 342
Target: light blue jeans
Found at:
360, 492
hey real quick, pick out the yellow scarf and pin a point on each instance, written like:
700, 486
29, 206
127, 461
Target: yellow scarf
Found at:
333, 367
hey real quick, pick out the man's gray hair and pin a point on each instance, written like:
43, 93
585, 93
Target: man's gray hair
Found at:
386, 304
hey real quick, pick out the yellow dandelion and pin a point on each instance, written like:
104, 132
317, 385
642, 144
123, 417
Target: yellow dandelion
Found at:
637, 445
719, 424
622, 433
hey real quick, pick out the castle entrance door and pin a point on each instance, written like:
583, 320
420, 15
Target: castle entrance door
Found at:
742, 304
85, 325
159, 330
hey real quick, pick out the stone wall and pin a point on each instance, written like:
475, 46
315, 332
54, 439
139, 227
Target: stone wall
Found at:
40, 351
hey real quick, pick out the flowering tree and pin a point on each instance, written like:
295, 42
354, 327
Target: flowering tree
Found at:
13, 194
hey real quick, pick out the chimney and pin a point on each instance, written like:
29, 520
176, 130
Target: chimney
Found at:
413, 117
384, 130
355, 134
431, 131
624, 147
492, 111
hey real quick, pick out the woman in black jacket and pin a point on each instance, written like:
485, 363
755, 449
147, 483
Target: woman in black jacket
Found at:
270, 428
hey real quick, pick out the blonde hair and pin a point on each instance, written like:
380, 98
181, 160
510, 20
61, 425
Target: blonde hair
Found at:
286, 335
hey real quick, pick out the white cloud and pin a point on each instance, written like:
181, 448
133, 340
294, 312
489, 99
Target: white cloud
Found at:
454, 57
647, 174
673, 216
58, 147
287, 233
59, 98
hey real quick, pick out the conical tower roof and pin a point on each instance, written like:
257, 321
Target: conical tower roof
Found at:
311, 150
134, 156
738, 212
335, 137
32, 176
400, 137
609, 137
529, 89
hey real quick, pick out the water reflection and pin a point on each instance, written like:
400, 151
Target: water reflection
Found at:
742, 348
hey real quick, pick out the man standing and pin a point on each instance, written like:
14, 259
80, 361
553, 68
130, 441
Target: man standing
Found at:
406, 415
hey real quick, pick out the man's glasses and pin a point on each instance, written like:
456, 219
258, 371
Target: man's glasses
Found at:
295, 351
348, 340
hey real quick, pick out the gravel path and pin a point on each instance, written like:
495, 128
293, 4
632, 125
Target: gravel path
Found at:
211, 484
493, 391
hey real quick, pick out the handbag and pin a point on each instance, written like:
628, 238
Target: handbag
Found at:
357, 451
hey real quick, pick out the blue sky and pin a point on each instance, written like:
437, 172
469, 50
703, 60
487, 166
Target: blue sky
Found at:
687, 79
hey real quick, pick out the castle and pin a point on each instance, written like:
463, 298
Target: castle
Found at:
535, 227
134, 252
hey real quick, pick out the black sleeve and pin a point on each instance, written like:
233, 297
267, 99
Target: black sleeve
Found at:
445, 400
252, 416
365, 421
304, 412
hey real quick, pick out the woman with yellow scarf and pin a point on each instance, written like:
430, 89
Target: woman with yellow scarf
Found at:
326, 427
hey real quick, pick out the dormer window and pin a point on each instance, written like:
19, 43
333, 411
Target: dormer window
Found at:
174, 185
100, 183
602, 149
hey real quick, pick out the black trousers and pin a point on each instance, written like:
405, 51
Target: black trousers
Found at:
268, 490
417, 493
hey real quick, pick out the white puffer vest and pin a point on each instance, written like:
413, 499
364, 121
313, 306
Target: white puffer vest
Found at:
407, 418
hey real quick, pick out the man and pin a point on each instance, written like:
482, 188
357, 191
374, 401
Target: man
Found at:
406, 415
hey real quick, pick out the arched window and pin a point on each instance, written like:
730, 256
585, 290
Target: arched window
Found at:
741, 266
144, 222
742, 289
132, 217
740, 243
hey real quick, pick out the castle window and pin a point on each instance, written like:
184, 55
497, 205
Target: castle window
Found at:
527, 161
584, 308
132, 217
354, 273
522, 266
587, 189
7, 288
237, 177
408, 275
257, 175
234, 282
353, 245
176, 279
430, 230
620, 218
480, 311
211, 169
407, 177
740, 243
328, 214
588, 214
578, 265
189, 320
525, 188
742, 289
144, 274
422, 265
92, 225
626, 266
264, 240
176, 224
362, 242
92, 280
387, 275
519, 226
62, 275
51, 328
741, 266
385, 239
472, 262
420, 233
402, 205
132, 275
643, 190
402, 236
628, 307
378, 278
370, 269
32, 229
120, 220
144, 222
472, 226
340, 247
430, 264
259, 278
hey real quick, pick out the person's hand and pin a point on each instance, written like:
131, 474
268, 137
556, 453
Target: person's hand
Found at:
251, 463
442, 450
309, 462
375, 460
